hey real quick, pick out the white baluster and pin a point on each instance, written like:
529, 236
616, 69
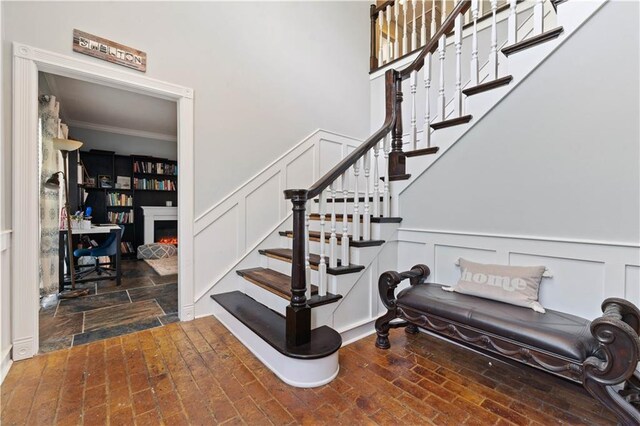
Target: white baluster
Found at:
356, 202
423, 28
414, 30
427, 107
442, 43
307, 263
381, 49
443, 14
405, 42
344, 242
322, 266
414, 129
333, 240
512, 24
458, 44
366, 219
538, 17
386, 202
475, 79
433, 18
376, 182
389, 34
493, 55
396, 43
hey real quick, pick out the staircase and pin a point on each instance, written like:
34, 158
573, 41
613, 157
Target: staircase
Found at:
303, 296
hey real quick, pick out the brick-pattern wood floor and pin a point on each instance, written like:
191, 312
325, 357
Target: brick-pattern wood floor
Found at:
197, 373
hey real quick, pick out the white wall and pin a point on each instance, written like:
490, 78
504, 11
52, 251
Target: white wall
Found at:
559, 157
124, 144
265, 74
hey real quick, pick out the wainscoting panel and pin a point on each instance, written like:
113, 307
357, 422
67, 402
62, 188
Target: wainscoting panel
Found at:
569, 277
261, 212
632, 283
583, 273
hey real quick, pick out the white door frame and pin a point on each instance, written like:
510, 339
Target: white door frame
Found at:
27, 62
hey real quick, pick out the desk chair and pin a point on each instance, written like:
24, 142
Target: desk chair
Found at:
108, 248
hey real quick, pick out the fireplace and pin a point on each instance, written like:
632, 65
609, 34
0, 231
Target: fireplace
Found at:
165, 231
160, 215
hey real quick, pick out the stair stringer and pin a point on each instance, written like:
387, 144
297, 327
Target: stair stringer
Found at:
571, 16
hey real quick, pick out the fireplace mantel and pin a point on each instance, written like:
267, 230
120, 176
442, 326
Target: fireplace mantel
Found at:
153, 214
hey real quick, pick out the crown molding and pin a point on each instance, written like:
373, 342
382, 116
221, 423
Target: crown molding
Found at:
121, 130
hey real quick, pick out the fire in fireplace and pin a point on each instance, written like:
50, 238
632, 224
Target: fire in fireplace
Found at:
165, 231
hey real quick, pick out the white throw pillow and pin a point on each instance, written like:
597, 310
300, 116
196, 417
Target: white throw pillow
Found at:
516, 285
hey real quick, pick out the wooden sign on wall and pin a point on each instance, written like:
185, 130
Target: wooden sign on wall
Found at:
108, 50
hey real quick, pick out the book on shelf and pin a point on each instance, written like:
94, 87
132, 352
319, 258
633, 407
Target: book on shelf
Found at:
153, 167
118, 199
120, 217
155, 184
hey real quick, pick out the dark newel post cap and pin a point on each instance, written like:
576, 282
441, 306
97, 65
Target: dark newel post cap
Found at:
296, 194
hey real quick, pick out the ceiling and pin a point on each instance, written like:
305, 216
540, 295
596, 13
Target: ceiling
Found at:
92, 106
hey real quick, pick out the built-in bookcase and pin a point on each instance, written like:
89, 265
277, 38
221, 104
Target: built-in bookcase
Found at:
153, 182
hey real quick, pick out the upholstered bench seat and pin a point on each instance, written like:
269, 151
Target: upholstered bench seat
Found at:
602, 355
557, 332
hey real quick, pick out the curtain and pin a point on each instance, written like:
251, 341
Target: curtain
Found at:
50, 199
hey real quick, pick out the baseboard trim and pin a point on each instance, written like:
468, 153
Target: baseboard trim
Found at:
5, 364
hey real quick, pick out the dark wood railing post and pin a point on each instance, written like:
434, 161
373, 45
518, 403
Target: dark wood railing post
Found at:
373, 59
397, 158
298, 329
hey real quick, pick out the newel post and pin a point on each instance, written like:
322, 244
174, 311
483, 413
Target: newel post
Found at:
298, 312
373, 59
397, 158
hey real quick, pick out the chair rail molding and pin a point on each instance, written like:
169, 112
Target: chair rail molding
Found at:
585, 272
27, 62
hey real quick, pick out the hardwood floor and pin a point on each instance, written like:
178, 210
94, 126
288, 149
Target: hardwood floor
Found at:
198, 373
143, 300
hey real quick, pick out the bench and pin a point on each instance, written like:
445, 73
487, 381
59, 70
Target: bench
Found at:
601, 355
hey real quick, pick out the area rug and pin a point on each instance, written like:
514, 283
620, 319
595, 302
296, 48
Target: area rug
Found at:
166, 266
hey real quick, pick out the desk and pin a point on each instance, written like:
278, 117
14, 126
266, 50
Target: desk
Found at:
95, 229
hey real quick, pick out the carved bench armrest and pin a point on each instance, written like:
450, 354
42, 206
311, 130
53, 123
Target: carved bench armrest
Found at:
388, 282
616, 330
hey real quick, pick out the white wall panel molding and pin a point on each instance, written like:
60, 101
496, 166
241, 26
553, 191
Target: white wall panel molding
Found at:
227, 233
584, 272
27, 62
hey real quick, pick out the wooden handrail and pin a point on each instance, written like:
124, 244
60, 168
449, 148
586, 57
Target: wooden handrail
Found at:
350, 160
432, 45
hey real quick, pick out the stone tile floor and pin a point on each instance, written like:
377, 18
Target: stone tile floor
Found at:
198, 373
143, 300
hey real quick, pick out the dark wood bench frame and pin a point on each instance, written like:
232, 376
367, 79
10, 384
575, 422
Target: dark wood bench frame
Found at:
616, 331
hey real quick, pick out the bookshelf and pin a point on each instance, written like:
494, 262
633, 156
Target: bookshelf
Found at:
153, 182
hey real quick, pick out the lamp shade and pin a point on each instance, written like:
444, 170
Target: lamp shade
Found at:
66, 144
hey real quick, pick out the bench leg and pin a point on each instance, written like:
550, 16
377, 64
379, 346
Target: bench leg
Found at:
411, 329
382, 329
626, 413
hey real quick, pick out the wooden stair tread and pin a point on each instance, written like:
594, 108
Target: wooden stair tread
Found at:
315, 236
280, 285
423, 151
532, 41
273, 281
484, 87
451, 122
286, 255
374, 219
270, 326
349, 199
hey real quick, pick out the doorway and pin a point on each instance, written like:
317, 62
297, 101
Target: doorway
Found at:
27, 63
125, 269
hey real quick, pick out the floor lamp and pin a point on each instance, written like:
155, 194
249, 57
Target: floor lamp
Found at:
65, 146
